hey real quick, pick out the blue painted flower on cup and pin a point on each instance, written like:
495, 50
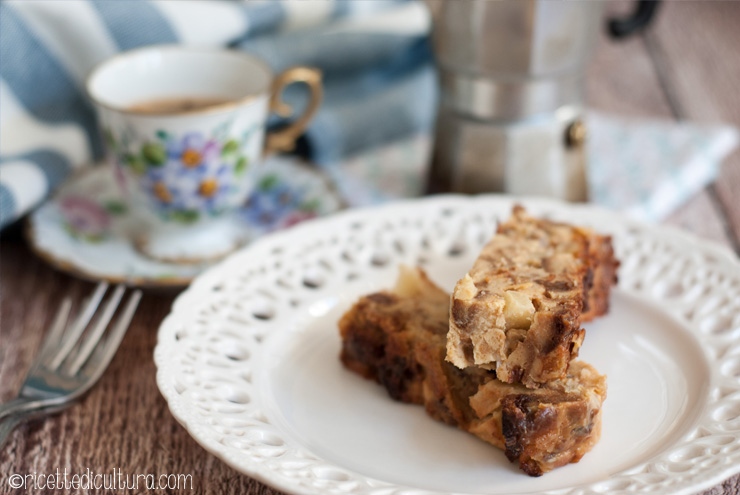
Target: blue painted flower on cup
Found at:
187, 177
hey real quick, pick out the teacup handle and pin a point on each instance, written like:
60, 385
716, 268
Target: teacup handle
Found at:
285, 139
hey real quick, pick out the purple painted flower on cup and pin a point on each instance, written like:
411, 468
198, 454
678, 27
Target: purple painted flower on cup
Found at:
85, 218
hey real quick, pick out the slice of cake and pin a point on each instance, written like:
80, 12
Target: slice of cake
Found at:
519, 309
398, 339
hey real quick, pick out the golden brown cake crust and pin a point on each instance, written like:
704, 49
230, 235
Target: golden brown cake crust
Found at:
398, 339
520, 307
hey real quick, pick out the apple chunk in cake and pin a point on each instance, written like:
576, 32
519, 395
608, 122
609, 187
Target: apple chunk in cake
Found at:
519, 309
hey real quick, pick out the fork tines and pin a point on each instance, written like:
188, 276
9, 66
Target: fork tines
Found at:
85, 334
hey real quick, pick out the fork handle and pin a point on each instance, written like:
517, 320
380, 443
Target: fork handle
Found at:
9, 423
12, 406
20, 405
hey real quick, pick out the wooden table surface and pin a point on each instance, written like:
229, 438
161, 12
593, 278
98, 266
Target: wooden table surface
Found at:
686, 67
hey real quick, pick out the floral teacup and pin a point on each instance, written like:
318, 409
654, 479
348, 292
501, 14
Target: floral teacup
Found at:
185, 128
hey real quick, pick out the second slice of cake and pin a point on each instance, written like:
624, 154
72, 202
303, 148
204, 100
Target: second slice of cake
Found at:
519, 309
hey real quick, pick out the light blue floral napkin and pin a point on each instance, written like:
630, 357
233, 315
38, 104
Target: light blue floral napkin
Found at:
648, 168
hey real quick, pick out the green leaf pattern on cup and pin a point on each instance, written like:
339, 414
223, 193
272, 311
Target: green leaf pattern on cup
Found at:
230, 147
154, 154
241, 165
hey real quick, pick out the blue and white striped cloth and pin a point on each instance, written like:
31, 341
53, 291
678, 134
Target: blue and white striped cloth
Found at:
375, 56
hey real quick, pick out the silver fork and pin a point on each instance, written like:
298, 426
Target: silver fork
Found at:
68, 365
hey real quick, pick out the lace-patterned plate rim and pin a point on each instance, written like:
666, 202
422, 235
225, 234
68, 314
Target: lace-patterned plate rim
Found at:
222, 285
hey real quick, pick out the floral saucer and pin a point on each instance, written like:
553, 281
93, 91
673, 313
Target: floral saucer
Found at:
81, 230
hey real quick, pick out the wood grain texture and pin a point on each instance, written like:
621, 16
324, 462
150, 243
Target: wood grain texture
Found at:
696, 45
124, 422
699, 215
623, 79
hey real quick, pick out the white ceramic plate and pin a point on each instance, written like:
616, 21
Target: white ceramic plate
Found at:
248, 360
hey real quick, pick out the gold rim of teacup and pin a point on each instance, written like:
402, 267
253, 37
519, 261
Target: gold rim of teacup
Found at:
220, 107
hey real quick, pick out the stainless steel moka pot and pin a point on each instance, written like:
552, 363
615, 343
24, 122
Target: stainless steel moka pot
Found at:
511, 73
